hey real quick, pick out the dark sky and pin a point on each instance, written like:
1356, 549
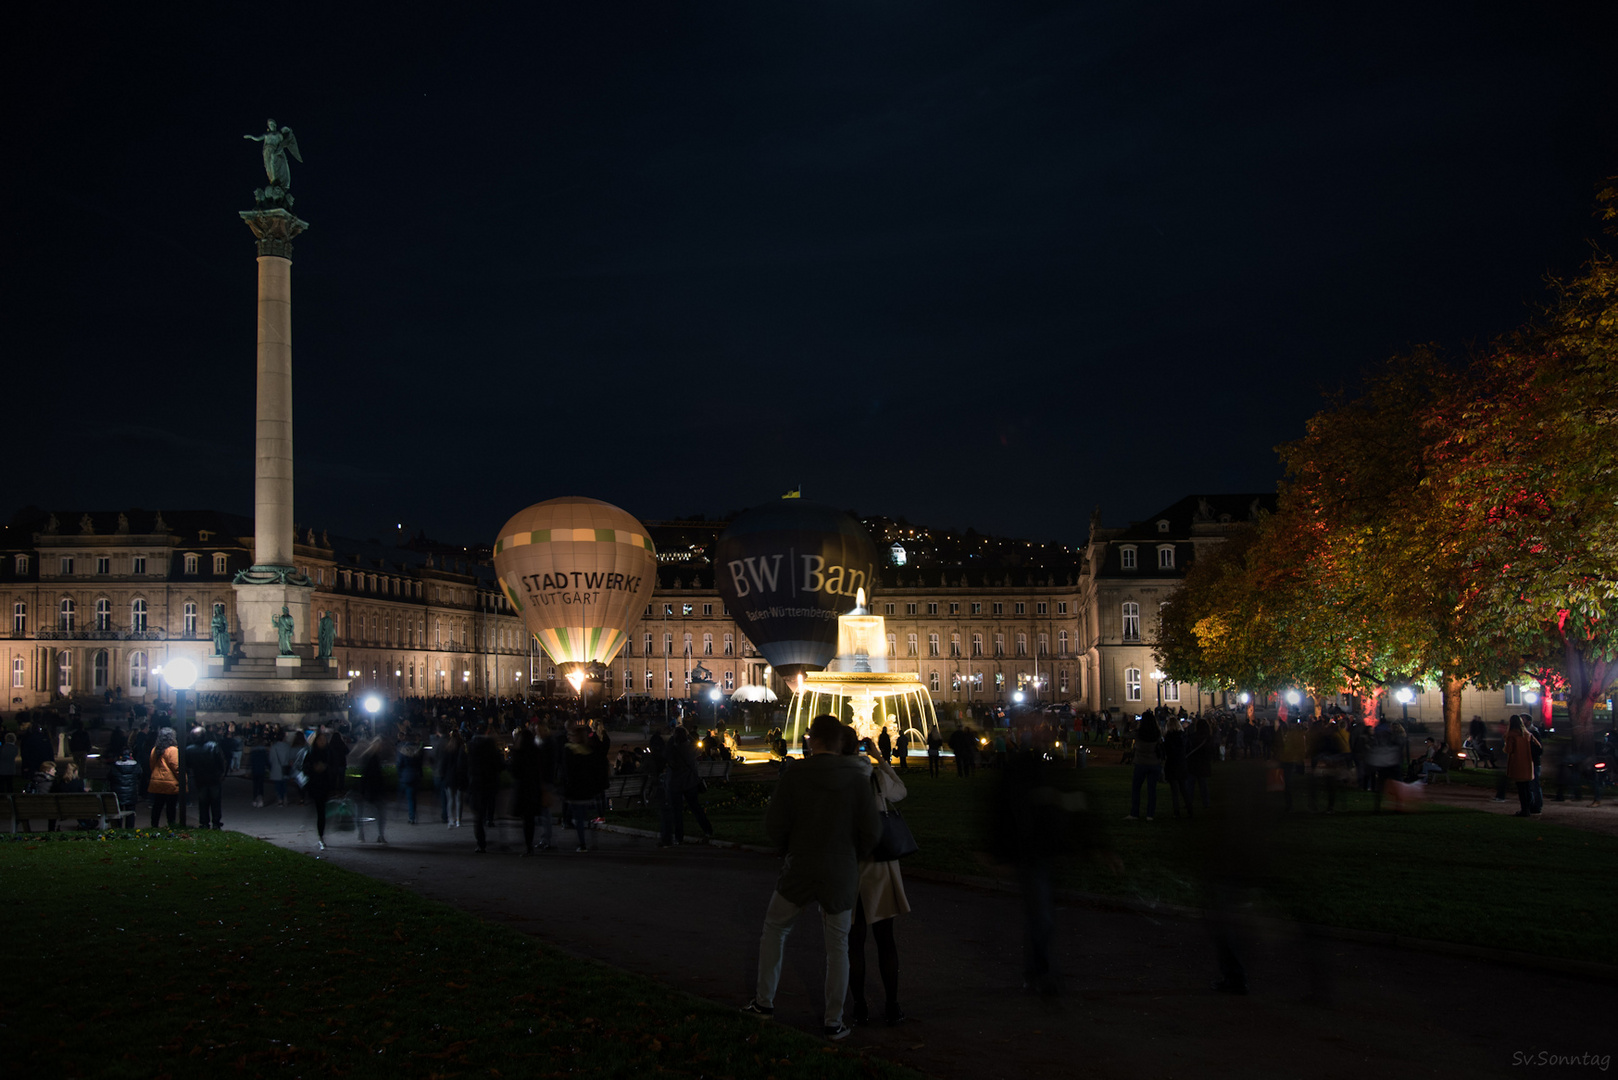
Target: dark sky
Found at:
985, 265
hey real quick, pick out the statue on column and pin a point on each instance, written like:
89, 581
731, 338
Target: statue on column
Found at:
283, 629
328, 635
277, 145
221, 633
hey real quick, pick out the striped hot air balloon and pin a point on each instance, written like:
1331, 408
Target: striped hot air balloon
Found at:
580, 571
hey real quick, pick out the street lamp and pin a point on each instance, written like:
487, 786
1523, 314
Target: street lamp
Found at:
1158, 677
373, 705
181, 675
1404, 696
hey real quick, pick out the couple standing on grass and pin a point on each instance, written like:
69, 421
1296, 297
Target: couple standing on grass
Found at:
825, 815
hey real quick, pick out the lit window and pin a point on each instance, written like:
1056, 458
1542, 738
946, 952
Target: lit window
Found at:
687, 644
137, 616
668, 611
19, 619
932, 681
955, 645
1165, 558
730, 644
103, 614
649, 684
932, 644
1171, 690
64, 669
19, 672
648, 641
1126, 558
191, 563
1513, 694
65, 622
707, 644
190, 616
137, 671
977, 644
1132, 684
1061, 642
893, 644
669, 684
1022, 644
999, 644
1131, 611
910, 644
1044, 644
686, 609
730, 681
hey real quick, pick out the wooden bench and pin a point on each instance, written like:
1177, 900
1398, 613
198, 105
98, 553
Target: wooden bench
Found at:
627, 786
717, 769
100, 805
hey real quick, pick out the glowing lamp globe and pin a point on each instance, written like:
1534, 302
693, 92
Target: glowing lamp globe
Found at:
180, 673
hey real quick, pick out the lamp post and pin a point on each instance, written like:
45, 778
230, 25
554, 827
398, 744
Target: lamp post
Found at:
181, 675
1158, 677
1404, 696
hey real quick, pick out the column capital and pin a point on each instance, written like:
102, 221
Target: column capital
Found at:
274, 229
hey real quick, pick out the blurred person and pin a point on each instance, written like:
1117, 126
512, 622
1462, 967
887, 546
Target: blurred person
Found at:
1176, 772
374, 786
205, 764
1520, 744
880, 901
530, 794
408, 769
320, 768
300, 755
578, 781
935, 745
280, 755
901, 746
823, 818
681, 787
484, 763
8, 762
258, 768
1148, 767
163, 776
1199, 759
1294, 752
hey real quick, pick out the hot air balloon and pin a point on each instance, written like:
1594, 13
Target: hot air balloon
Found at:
786, 571
580, 571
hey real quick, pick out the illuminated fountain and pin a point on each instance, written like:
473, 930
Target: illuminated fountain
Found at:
859, 688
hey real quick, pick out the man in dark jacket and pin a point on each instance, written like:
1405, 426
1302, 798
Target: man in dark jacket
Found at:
483, 773
123, 779
823, 817
205, 761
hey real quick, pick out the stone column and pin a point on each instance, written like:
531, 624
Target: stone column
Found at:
273, 582
272, 476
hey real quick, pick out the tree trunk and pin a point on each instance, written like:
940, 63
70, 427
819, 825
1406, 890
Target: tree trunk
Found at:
1587, 680
1452, 710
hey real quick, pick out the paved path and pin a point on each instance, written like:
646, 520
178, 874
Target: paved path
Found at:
1574, 813
1139, 1003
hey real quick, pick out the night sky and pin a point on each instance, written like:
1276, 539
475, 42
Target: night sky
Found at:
988, 265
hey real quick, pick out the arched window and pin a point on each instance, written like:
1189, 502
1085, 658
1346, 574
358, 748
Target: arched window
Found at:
1132, 684
137, 671
688, 644
66, 619
932, 681
190, 616
1022, 644
98, 669
977, 644
730, 644
103, 614
137, 616
955, 645
707, 644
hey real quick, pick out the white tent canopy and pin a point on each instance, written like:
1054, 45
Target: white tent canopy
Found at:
753, 693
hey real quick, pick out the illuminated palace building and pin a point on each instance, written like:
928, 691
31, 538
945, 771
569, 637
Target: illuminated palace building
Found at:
99, 600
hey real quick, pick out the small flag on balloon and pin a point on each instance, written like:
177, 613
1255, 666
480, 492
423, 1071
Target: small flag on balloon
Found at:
795, 493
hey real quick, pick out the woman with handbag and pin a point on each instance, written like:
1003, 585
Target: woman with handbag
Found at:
881, 896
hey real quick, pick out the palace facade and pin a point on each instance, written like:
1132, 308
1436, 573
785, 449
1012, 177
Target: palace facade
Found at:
100, 601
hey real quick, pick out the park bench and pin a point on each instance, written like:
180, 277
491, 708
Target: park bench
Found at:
628, 786
101, 806
715, 769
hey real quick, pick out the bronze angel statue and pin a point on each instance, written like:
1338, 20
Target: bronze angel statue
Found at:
277, 145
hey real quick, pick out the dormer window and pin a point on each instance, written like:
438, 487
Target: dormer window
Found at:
204, 535
1163, 526
220, 562
191, 563
1165, 557
1126, 558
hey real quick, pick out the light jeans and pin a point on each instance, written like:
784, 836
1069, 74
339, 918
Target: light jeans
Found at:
778, 922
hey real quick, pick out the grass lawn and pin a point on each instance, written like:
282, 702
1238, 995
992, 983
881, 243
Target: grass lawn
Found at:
1444, 873
212, 954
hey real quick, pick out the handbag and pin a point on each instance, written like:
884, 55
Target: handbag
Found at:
897, 840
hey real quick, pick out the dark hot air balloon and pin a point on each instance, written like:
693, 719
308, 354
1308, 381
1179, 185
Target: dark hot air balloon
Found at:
786, 571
